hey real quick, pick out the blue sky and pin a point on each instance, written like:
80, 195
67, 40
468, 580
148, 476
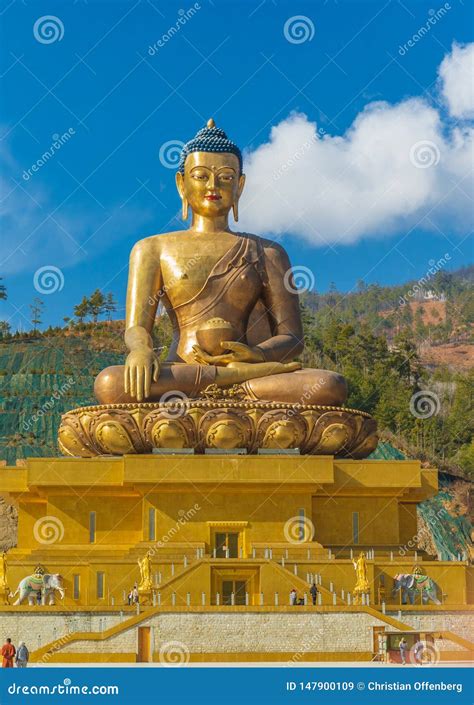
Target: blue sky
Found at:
105, 187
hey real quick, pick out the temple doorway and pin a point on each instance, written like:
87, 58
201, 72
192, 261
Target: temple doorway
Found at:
235, 588
144, 645
227, 544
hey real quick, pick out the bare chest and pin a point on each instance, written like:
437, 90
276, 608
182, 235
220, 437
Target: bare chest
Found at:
185, 267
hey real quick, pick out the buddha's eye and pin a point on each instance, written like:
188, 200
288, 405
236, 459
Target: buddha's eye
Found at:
200, 177
226, 177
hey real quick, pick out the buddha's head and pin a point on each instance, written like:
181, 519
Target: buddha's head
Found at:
210, 178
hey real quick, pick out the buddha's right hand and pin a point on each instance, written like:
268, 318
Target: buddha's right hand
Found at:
141, 367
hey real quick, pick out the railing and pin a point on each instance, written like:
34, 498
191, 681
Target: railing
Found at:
301, 566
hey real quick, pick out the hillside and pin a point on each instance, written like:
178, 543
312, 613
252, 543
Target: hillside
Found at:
454, 356
39, 381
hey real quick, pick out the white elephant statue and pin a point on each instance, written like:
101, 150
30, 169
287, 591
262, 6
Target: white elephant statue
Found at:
46, 584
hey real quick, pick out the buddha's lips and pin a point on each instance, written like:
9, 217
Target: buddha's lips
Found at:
212, 197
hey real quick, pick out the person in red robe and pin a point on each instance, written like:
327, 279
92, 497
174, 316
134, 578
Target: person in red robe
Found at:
8, 654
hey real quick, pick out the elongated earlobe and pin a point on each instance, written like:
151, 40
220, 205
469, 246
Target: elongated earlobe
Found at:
185, 209
235, 211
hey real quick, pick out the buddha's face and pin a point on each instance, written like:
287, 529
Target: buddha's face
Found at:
212, 183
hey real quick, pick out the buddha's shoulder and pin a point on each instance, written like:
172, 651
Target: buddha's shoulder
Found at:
157, 242
272, 249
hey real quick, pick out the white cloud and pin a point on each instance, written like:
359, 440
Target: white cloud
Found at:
395, 167
457, 75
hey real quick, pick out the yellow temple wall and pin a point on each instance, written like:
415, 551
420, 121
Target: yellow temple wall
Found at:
378, 520
123, 519
29, 512
408, 523
264, 520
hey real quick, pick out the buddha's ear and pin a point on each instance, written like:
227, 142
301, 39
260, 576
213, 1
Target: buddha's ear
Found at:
184, 200
180, 183
241, 185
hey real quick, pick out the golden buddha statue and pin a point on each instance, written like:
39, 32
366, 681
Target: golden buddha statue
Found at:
362, 586
210, 273
230, 379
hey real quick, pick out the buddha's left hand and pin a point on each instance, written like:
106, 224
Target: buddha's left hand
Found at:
239, 352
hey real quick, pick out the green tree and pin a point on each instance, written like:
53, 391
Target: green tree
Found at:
36, 309
96, 304
110, 305
3, 290
82, 310
5, 329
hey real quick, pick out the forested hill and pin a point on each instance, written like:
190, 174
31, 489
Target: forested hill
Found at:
389, 309
408, 354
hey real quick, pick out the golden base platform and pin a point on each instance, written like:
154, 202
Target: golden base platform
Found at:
119, 429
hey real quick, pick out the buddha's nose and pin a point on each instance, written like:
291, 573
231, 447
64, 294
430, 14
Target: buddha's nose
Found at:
212, 181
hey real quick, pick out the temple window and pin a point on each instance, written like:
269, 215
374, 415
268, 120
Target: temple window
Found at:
355, 527
92, 524
100, 585
152, 524
302, 525
76, 586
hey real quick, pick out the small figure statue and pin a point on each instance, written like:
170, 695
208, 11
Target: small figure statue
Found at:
362, 585
4, 589
145, 574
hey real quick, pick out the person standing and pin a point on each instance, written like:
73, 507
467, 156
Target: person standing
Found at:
8, 654
293, 597
313, 591
22, 655
403, 650
418, 652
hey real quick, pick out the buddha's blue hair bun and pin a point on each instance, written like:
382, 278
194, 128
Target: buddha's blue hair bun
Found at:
210, 139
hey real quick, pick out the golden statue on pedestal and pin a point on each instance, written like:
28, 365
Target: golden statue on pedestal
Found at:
146, 583
362, 586
4, 589
237, 328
